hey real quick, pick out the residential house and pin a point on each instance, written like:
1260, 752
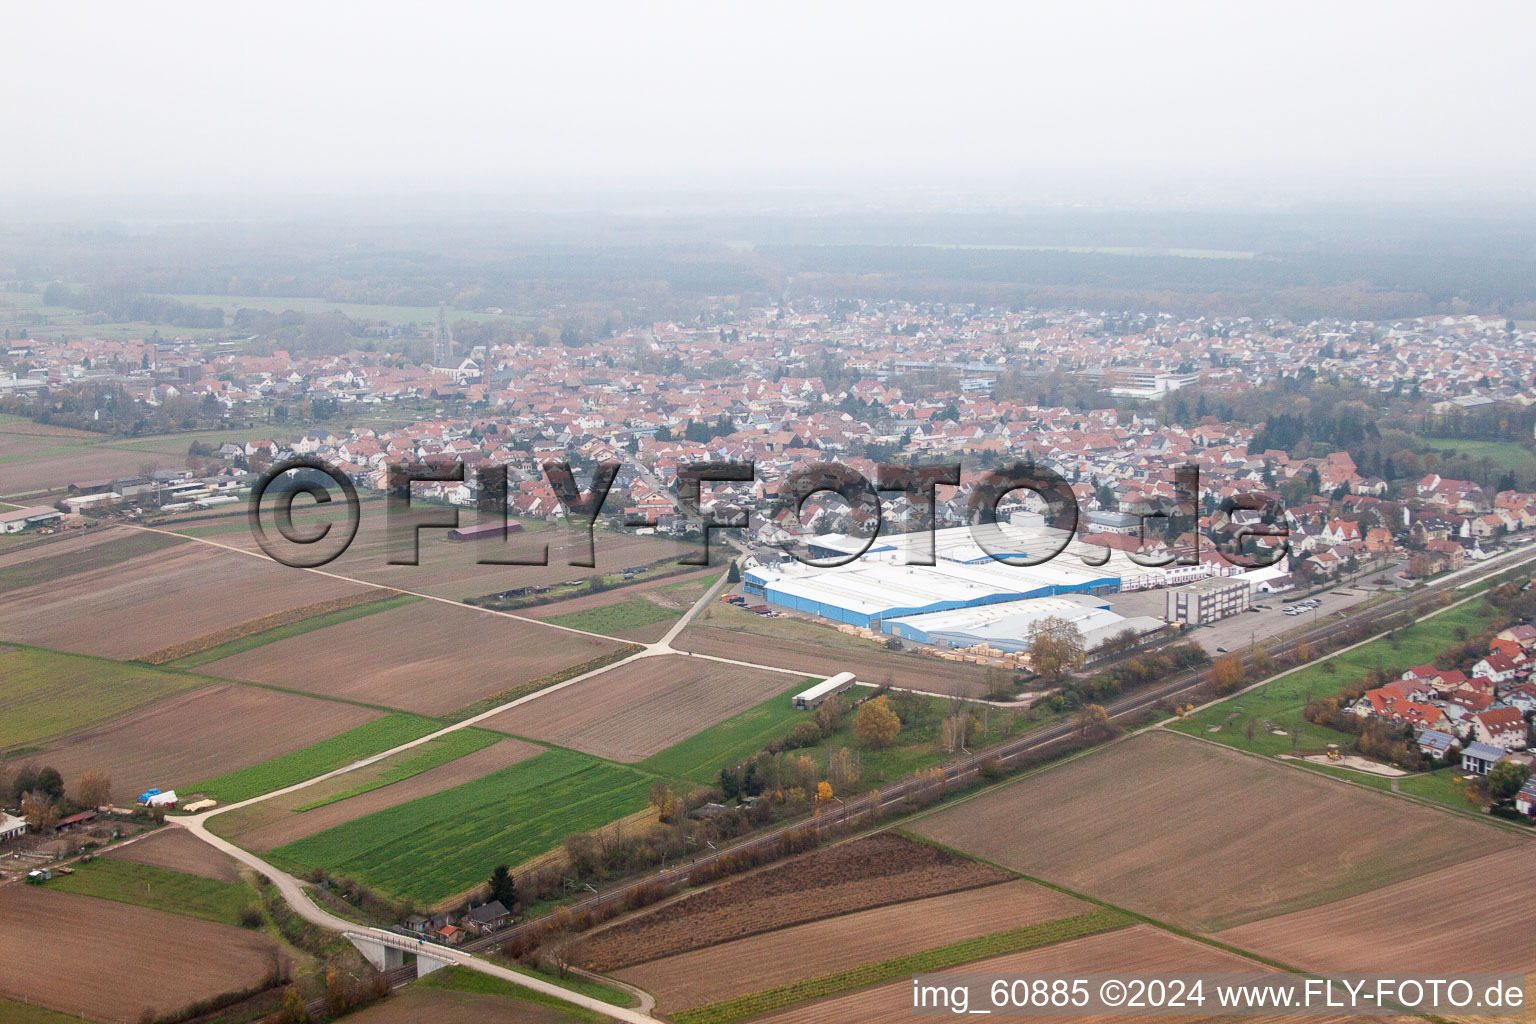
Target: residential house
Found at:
1523, 634
1479, 758
487, 918
1502, 727
1436, 744
1525, 800
1499, 668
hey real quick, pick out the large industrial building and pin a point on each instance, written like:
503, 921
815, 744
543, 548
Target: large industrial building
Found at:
882, 584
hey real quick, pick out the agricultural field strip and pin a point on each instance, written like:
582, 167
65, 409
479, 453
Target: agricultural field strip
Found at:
158, 888
491, 712
469, 722
232, 788
661, 647
1031, 936
707, 975
541, 799
369, 583
265, 629
295, 897
1163, 783
1140, 949
848, 877
50, 695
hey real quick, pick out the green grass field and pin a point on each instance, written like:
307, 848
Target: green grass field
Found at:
327, 755
429, 755
636, 611
700, 757
1503, 454
159, 889
937, 959
1443, 786
99, 556
440, 845
13, 1012
1282, 700
44, 694
270, 636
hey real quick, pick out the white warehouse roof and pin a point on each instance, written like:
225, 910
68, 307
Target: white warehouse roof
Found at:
1006, 626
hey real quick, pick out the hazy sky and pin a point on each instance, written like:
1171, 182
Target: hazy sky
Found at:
1079, 100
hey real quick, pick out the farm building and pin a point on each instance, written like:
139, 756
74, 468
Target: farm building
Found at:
11, 827
1005, 627
20, 519
884, 583
806, 700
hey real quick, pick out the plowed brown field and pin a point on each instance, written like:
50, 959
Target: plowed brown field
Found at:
629, 713
1189, 832
110, 961
155, 600
200, 734
822, 947
451, 569
428, 657
176, 849
1142, 949
873, 872
416, 1005
1476, 916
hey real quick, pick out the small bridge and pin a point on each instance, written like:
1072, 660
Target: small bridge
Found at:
386, 951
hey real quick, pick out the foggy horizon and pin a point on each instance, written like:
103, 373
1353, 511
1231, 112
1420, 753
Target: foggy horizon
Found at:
1112, 106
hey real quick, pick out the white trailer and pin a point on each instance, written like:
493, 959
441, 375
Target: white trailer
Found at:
808, 699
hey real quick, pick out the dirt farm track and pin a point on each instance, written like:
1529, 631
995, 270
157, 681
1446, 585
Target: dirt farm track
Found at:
82, 969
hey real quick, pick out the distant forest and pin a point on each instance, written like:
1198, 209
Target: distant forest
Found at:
1318, 263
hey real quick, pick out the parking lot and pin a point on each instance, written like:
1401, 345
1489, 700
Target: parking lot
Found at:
1239, 631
